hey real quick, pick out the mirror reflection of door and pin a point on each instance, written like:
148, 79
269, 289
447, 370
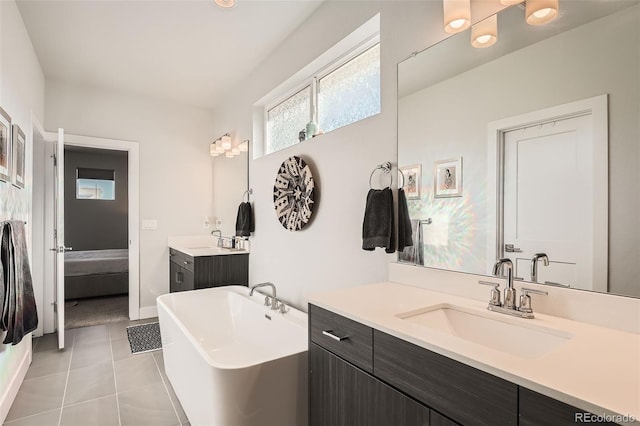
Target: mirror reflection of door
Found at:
548, 172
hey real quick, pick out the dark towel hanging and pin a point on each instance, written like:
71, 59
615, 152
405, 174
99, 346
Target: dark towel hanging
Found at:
244, 220
19, 314
404, 222
378, 228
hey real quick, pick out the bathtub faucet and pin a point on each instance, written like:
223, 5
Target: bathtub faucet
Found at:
274, 301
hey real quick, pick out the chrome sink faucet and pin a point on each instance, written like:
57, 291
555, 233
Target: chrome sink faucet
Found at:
268, 301
534, 265
509, 307
219, 232
509, 292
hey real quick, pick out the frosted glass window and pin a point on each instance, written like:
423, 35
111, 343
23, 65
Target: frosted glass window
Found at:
95, 184
287, 119
351, 92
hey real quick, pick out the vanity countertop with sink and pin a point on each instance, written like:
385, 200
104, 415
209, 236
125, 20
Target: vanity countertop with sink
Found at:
202, 245
590, 367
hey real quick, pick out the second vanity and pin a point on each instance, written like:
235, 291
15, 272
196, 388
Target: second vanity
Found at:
197, 262
390, 353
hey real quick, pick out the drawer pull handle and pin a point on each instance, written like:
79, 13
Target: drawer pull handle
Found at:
331, 334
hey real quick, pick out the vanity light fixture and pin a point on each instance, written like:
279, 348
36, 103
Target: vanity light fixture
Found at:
457, 15
229, 154
485, 32
538, 12
226, 4
219, 147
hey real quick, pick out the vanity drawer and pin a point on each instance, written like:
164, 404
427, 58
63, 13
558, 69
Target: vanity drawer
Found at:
181, 259
467, 395
346, 338
540, 410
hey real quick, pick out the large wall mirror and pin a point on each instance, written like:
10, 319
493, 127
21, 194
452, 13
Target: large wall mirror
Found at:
230, 188
529, 149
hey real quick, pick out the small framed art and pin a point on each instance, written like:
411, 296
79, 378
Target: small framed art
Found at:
412, 177
18, 150
448, 178
5, 146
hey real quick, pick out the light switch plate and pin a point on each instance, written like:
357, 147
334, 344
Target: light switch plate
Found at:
149, 224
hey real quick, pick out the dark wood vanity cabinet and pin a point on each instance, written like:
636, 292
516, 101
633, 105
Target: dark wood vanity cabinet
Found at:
465, 394
192, 273
343, 395
362, 376
540, 410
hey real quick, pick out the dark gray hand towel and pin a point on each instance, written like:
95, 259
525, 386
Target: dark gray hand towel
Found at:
244, 220
378, 228
19, 316
404, 222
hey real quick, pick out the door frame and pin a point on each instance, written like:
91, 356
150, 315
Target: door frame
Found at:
133, 150
597, 106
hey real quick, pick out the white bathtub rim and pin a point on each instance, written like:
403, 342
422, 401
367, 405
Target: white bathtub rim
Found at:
295, 316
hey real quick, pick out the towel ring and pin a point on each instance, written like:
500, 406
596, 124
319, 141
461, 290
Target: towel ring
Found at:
386, 168
247, 193
403, 179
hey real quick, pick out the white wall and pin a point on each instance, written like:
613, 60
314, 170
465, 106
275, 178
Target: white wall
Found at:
327, 253
441, 109
21, 94
175, 166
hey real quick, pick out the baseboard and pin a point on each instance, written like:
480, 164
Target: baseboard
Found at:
148, 312
11, 391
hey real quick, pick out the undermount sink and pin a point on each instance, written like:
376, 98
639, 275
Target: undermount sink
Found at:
512, 336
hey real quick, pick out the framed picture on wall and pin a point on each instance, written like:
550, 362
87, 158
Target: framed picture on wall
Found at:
5, 146
18, 150
412, 178
447, 178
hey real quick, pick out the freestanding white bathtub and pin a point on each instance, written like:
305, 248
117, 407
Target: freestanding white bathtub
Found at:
233, 361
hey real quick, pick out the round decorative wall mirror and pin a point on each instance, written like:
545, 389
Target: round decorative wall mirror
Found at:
293, 194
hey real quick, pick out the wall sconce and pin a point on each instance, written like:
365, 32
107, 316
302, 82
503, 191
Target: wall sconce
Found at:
538, 12
485, 32
224, 145
457, 15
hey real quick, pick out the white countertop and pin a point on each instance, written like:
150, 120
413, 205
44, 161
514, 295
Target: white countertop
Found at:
597, 370
202, 245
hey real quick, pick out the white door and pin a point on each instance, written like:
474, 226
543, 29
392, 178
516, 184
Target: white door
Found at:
548, 200
59, 234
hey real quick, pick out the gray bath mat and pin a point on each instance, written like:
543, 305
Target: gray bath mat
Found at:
144, 337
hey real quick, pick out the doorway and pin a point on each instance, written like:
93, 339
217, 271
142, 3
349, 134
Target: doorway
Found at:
96, 212
50, 298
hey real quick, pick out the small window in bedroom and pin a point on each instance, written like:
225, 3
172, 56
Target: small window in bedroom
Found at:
95, 184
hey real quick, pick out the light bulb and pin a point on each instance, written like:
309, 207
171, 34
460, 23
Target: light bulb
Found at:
225, 3
538, 12
485, 32
226, 142
457, 15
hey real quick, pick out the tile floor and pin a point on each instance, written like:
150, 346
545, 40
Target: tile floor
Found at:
95, 381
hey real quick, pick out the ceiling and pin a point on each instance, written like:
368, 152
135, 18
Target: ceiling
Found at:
187, 51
